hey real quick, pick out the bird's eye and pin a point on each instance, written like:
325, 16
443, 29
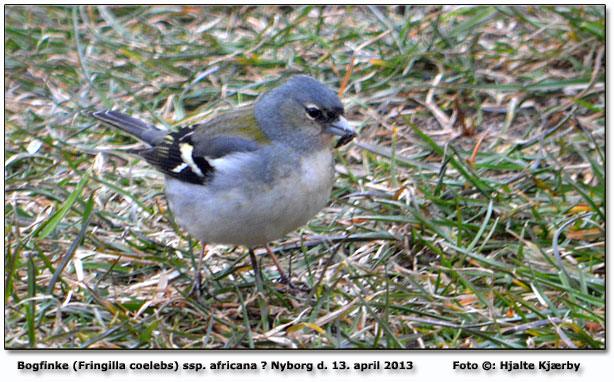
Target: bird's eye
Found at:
314, 112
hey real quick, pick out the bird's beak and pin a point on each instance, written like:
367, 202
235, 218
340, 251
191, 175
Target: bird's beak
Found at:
341, 127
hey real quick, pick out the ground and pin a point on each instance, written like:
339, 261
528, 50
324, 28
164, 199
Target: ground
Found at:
469, 212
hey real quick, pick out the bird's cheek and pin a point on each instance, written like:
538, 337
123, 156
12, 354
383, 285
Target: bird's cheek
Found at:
314, 129
325, 137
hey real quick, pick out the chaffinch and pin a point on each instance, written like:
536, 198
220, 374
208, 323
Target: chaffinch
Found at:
251, 175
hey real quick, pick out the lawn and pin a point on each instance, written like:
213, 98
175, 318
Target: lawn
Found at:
469, 213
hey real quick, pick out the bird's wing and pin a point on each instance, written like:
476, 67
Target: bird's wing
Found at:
187, 154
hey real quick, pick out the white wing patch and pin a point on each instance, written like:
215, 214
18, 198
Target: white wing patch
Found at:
186, 157
179, 168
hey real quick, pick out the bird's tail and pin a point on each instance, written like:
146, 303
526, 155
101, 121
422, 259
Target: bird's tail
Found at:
141, 130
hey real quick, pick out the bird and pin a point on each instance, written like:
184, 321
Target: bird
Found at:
251, 175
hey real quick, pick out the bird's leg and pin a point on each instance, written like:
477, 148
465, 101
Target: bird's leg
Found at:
284, 278
256, 268
197, 276
261, 296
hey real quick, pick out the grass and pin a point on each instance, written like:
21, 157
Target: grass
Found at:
470, 212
